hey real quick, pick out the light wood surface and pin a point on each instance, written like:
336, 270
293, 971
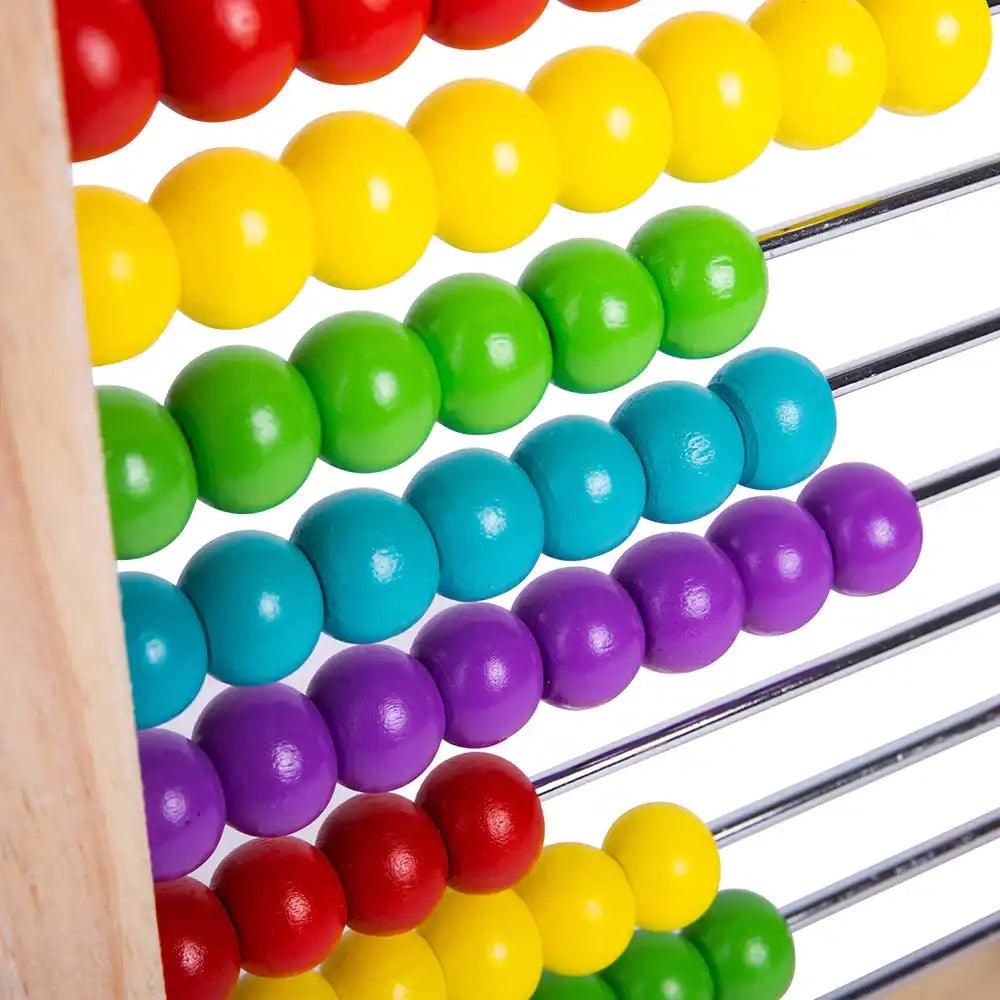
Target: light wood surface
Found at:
975, 976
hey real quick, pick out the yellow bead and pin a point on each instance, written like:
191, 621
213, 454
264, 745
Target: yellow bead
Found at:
401, 967
309, 986
722, 85
372, 194
128, 272
937, 51
583, 905
671, 861
488, 946
612, 125
244, 235
832, 67
494, 159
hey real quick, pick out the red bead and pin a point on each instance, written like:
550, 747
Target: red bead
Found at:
111, 73
391, 860
225, 59
597, 6
354, 41
490, 817
286, 903
198, 946
482, 24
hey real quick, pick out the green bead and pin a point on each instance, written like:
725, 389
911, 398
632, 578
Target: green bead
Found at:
712, 277
375, 386
747, 946
252, 426
491, 348
148, 470
660, 967
553, 987
603, 311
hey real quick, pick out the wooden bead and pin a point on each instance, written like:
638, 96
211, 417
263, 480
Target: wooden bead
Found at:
482, 24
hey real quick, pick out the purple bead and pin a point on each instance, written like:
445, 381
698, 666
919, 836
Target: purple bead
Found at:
274, 756
488, 669
872, 523
589, 632
689, 596
783, 558
385, 715
185, 809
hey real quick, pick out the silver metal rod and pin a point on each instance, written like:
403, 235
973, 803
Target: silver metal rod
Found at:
958, 478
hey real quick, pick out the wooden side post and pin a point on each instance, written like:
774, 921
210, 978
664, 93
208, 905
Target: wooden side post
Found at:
972, 976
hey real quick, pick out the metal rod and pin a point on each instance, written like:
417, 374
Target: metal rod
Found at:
958, 478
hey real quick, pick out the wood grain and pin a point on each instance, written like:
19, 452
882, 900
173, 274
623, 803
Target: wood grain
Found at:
974, 976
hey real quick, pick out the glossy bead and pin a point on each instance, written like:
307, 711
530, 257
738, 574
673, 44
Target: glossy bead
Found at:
553, 987
375, 386
148, 472
488, 669
273, 754
372, 194
589, 632
486, 520
655, 966
491, 349
482, 24
234, 274
308, 986
391, 860
384, 713
689, 596
490, 818
872, 524
786, 414
603, 311
376, 562
711, 275
494, 159
260, 603
831, 64
590, 482
783, 559
400, 967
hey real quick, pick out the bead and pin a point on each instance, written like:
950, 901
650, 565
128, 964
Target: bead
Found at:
488, 669
747, 946
376, 562
590, 482
786, 414
872, 524
185, 810
375, 386
689, 596
384, 713
671, 861
589, 632
612, 125
148, 472
599, 6
308, 986
490, 818
285, 901
391, 860
783, 558
401, 967
722, 85
486, 520
233, 274
831, 64
603, 311
553, 987
274, 757
482, 24
711, 275
655, 966
494, 159
372, 194
491, 348
260, 603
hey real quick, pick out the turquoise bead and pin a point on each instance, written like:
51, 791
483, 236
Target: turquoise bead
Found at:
165, 642
486, 520
786, 413
590, 481
690, 447
376, 561
261, 605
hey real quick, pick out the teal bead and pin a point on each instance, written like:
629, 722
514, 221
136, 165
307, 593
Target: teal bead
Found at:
261, 605
554, 987
690, 447
486, 520
786, 413
376, 562
590, 482
166, 647
659, 966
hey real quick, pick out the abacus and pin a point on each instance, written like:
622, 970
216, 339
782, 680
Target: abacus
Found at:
446, 631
